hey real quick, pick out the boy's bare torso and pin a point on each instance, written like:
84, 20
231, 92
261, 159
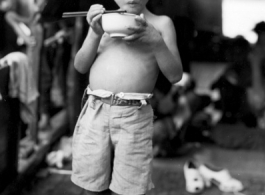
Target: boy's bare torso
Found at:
123, 67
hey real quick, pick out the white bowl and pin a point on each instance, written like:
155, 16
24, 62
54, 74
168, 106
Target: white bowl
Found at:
116, 24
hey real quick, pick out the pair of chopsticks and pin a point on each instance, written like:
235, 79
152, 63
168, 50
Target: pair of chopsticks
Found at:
82, 14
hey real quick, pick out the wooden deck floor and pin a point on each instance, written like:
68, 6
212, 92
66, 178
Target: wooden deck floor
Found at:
27, 167
168, 175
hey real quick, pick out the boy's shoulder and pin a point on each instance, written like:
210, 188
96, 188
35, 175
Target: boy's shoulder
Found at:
160, 21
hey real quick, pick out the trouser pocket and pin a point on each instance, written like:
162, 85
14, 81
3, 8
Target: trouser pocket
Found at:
84, 98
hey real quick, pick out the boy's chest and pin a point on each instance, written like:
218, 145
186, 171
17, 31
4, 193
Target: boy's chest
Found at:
118, 45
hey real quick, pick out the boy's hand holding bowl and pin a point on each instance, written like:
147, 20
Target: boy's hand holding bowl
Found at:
131, 28
116, 24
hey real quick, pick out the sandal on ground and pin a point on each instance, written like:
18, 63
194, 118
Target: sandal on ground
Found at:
221, 178
194, 181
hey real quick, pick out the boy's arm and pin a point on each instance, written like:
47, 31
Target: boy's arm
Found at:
167, 54
163, 45
86, 55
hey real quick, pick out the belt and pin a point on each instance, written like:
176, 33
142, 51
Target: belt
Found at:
114, 100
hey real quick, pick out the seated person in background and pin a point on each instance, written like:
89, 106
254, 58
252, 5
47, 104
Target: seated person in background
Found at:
242, 84
176, 108
115, 126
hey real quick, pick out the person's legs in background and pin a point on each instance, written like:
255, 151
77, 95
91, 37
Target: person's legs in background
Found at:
45, 86
62, 60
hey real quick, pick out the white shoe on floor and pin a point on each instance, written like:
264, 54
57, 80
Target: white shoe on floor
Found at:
221, 178
194, 180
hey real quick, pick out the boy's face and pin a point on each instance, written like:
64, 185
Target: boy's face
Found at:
132, 6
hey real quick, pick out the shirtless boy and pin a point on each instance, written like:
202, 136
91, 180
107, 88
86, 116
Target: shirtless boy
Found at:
112, 143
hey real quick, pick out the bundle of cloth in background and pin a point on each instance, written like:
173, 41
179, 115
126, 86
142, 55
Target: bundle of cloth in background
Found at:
22, 83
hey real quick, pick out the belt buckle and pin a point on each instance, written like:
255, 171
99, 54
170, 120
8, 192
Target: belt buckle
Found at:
116, 100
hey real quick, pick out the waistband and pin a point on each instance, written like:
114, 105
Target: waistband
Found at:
120, 99
126, 96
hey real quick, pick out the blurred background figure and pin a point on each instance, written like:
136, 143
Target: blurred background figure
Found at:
56, 55
180, 116
256, 93
242, 84
8, 37
24, 19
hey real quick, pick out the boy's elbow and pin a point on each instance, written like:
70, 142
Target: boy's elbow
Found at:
79, 68
176, 78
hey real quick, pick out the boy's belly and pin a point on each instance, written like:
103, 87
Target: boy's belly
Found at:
123, 77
